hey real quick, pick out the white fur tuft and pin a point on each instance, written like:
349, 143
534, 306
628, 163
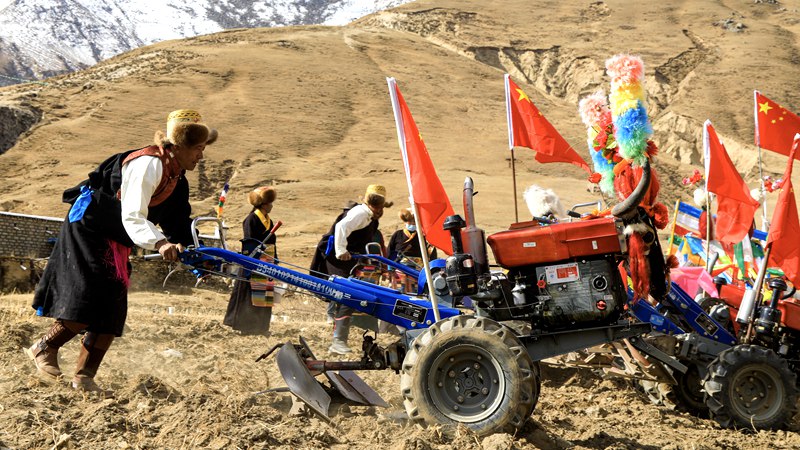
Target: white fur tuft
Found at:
636, 228
756, 194
542, 202
699, 195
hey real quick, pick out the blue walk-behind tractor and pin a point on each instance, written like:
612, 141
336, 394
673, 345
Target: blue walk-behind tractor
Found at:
560, 291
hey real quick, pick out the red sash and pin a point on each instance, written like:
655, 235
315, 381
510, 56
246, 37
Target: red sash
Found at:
169, 178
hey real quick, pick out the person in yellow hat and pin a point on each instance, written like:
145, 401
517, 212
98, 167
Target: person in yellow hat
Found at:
84, 286
352, 230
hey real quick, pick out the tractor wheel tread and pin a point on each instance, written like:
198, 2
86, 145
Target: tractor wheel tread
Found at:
718, 383
521, 378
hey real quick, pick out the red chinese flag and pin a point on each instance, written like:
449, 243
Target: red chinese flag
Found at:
426, 189
735, 206
775, 125
527, 127
785, 229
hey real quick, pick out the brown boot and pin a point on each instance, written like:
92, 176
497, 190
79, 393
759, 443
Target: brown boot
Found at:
93, 348
45, 352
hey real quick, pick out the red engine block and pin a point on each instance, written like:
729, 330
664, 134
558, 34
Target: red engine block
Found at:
529, 243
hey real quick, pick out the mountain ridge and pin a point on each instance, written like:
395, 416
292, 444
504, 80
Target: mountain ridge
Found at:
43, 38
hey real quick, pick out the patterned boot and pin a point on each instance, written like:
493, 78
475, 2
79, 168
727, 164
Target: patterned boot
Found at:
93, 348
44, 353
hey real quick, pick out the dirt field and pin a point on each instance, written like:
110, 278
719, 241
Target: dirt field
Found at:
183, 380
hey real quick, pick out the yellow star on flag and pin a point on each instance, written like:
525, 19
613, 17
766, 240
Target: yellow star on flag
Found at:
522, 96
764, 107
420, 138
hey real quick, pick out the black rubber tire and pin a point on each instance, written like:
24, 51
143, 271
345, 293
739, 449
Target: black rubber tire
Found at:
688, 394
469, 371
748, 386
536, 387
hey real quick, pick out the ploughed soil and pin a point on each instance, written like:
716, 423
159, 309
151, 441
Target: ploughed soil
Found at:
184, 380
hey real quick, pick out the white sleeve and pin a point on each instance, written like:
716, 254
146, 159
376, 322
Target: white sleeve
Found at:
357, 218
140, 178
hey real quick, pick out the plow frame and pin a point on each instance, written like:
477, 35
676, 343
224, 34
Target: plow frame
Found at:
387, 304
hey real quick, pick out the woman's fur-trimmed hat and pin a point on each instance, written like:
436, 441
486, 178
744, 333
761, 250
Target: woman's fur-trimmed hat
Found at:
184, 128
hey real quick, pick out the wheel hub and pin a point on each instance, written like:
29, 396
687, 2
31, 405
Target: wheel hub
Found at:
466, 383
757, 392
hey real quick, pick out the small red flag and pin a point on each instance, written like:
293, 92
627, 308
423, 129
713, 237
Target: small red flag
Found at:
785, 229
527, 127
735, 207
775, 125
426, 190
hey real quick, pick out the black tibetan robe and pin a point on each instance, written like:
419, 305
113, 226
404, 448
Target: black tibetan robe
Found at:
81, 281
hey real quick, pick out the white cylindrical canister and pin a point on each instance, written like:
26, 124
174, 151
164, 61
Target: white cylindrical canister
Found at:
746, 307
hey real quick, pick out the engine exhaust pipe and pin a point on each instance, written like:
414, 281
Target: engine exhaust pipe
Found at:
474, 238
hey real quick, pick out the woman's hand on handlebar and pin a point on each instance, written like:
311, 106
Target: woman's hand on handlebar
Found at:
168, 250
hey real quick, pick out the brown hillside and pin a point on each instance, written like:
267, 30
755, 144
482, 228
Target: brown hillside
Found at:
307, 108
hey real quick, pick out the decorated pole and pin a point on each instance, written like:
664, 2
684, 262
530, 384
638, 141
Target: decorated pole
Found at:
426, 194
596, 115
708, 231
672, 230
764, 219
510, 120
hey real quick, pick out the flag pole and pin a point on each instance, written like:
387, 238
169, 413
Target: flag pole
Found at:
510, 122
514, 181
758, 287
709, 218
764, 219
401, 139
426, 264
672, 232
707, 167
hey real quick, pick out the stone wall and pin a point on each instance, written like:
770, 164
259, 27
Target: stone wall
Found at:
26, 242
27, 236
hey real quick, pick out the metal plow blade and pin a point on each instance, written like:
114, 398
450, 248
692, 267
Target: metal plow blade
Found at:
353, 388
349, 384
300, 381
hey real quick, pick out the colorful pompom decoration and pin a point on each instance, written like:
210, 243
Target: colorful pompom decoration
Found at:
596, 115
628, 108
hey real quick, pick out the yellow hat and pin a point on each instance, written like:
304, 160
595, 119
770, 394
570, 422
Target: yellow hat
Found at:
376, 189
186, 116
182, 115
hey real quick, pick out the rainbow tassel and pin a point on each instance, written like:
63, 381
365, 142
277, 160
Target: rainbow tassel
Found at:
628, 107
596, 115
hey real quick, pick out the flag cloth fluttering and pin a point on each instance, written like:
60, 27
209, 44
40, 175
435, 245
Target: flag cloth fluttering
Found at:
687, 219
775, 125
527, 127
735, 207
783, 234
222, 197
425, 188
